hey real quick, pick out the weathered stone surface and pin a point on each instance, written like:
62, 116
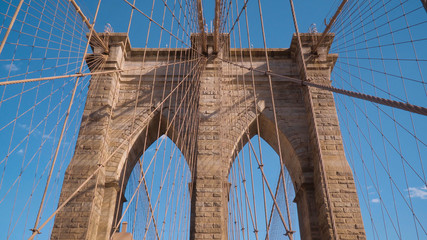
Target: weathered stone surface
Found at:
234, 104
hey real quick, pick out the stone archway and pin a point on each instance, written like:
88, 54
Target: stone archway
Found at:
118, 124
309, 135
116, 180
93, 213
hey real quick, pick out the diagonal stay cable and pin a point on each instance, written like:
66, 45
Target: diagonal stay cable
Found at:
35, 230
155, 22
144, 173
387, 102
91, 73
263, 174
103, 163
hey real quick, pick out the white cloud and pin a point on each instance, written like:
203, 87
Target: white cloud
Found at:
35, 132
12, 67
375, 200
418, 192
47, 136
24, 126
21, 151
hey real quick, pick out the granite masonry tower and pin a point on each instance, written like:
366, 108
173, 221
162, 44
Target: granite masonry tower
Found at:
308, 126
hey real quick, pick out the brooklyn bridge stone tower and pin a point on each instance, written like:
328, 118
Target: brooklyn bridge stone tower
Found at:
308, 139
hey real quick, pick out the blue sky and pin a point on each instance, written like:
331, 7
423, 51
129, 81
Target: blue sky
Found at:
386, 148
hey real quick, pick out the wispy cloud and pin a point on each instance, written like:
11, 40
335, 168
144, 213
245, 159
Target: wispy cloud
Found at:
46, 136
20, 151
36, 132
11, 67
375, 200
371, 190
418, 192
24, 126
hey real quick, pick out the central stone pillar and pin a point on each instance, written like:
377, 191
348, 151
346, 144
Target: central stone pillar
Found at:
210, 187
209, 208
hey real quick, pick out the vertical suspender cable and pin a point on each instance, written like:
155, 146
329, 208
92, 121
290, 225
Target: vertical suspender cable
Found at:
289, 232
35, 230
322, 167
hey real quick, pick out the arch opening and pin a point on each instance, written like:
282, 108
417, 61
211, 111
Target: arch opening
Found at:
252, 210
156, 197
293, 146
145, 188
157, 128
